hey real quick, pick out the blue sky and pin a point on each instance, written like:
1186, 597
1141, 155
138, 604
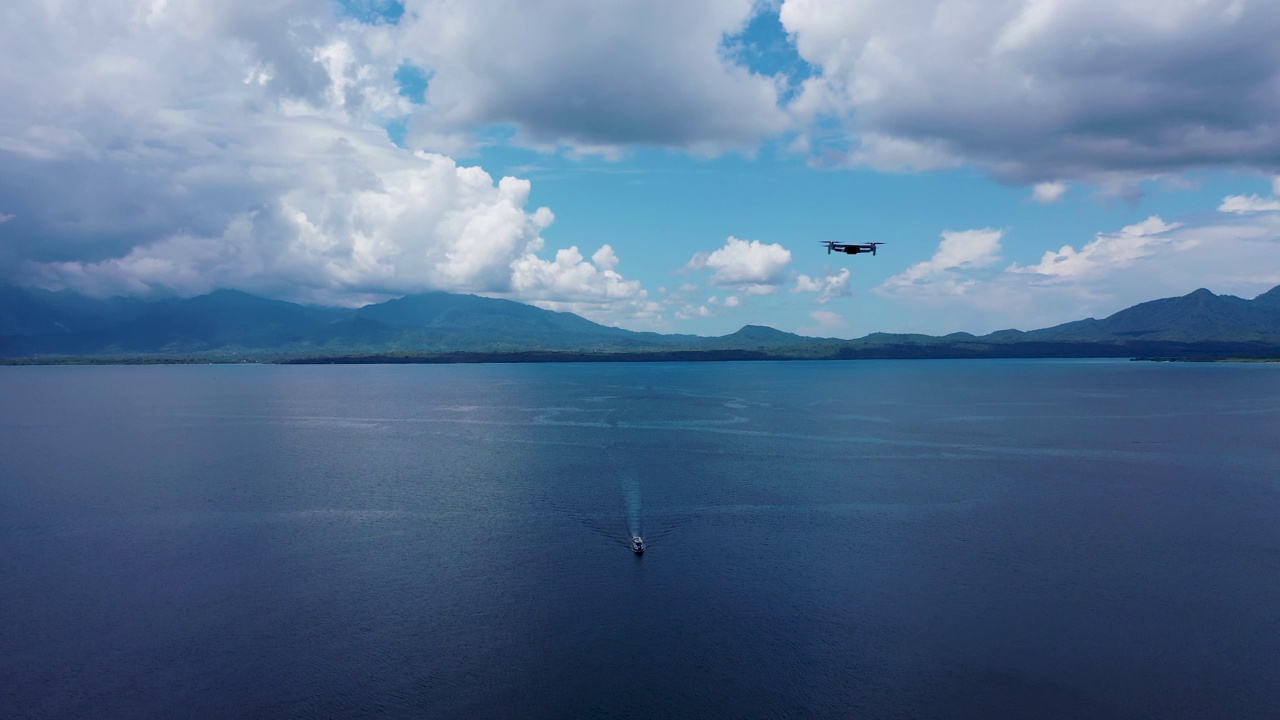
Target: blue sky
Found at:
1027, 163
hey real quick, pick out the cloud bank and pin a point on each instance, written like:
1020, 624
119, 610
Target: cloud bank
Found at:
591, 75
1039, 91
181, 146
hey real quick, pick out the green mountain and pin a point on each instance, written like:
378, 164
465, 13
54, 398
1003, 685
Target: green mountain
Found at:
756, 337
441, 310
439, 326
449, 322
233, 323
220, 320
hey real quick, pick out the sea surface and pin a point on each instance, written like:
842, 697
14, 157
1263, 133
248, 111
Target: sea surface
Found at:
880, 539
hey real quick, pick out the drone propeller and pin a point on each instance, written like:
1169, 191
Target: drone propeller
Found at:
851, 248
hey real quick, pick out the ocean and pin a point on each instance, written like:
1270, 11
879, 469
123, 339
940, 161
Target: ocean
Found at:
880, 539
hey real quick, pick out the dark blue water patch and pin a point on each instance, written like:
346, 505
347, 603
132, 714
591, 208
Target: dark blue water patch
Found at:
913, 539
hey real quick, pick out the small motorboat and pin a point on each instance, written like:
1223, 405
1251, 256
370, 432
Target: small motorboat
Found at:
637, 545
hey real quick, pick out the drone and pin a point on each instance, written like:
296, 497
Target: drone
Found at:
851, 248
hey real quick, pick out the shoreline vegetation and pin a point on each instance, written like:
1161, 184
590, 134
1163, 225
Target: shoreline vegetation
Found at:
1274, 359
460, 358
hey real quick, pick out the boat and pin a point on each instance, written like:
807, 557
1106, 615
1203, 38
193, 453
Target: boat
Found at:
637, 545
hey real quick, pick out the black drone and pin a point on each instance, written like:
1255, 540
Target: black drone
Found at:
851, 248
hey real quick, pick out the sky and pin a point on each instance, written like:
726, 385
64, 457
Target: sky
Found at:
651, 164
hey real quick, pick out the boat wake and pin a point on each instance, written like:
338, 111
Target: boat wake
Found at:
627, 526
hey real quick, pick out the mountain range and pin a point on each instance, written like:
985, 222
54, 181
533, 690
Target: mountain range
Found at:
42, 326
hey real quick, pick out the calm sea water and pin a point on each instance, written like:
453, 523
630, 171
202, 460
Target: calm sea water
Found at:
863, 539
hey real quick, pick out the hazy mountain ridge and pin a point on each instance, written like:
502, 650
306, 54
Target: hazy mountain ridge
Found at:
229, 323
1198, 316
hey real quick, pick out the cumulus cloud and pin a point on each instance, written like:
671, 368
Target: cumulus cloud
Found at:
369, 219
592, 289
1107, 250
595, 76
1246, 204
183, 146
1041, 90
1047, 193
126, 122
750, 265
947, 272
828, 287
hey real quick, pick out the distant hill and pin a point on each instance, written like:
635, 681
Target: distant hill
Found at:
438, 326
755, 337
1197, 317
441, 310
37, 312
233, 323
1199, 324
449, 321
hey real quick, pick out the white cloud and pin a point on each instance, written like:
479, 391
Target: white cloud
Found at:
946, 272
1047, 193
591, 75
754, 267
1041, 91
426, 223
371, 219
688, 302
592, 289
828, 287
4, 218
128, 122
804, 283
605, 258
1246, 204
1107, 251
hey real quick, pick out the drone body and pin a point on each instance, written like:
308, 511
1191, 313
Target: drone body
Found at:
851, 248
